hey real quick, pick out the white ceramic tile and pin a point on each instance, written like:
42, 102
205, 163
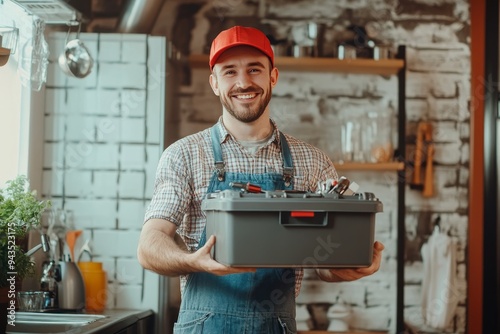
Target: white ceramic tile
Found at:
55, 76
54, 100
93, 213
133, 103
151, 291
77, 154
80, 128
108, 129
122, 76
131, 214
110, 47
96, 156
156, 89
53, 155
154, 117
128, 296
132, 130
56, 42
91, 42
105, 184
131, 185
116, 243
90, 81
52, 183
108, 102
153, 154
81, 101
129, 271
132, 156
77, 183
109, 50
54, 127
133, 51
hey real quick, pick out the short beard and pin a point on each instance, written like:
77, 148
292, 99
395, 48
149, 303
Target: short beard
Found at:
248, 116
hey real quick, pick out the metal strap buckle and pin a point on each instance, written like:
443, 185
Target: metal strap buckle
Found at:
287, 175
220, 170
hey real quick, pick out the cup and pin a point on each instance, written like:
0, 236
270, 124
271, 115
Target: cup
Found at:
381, 52
30, 301
95, 279
346, 52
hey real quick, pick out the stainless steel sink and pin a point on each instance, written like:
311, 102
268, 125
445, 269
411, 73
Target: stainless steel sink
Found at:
30, 322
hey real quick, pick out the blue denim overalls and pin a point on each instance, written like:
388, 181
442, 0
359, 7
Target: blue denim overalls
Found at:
253, 303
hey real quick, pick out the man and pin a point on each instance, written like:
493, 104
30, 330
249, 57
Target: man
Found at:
244, 146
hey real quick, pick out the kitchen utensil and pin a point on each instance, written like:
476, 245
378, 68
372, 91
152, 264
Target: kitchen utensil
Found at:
71, 237
71, 288
75, 60
423, 146
341, 186
429, 174
84, 249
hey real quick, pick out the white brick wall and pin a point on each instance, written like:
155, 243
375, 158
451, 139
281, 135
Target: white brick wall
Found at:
98, 163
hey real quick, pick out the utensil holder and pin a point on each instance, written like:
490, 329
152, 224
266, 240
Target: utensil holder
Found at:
95, 278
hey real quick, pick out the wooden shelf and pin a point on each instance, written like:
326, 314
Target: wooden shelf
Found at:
366, 166
4, 51
351, 66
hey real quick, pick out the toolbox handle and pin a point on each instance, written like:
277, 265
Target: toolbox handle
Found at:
303, 218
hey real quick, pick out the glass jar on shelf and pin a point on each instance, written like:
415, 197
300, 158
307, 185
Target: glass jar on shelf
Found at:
377, 137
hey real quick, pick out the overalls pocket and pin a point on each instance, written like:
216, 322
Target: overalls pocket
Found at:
286, 325
191, 323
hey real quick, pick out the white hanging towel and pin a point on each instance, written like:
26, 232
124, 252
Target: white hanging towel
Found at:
439, 290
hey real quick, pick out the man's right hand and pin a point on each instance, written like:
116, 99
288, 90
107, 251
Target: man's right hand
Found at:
208, 264
163, 251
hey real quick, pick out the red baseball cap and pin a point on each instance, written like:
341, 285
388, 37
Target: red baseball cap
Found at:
236, 36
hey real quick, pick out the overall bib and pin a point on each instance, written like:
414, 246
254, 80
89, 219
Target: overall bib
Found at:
253, 303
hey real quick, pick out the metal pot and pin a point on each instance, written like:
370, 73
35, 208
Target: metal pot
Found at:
75, 60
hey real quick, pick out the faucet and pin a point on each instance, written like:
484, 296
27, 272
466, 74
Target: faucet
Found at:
44, 244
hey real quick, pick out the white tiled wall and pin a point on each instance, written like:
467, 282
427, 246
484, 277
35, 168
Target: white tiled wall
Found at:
103, 138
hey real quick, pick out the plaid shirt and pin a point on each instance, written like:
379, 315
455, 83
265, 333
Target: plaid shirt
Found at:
186, 167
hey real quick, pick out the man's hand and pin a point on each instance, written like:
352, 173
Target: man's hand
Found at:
346, 275
163, 251
204, 261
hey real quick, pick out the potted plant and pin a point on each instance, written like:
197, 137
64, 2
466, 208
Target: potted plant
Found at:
20, 211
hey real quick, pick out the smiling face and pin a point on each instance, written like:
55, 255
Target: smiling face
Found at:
243, 80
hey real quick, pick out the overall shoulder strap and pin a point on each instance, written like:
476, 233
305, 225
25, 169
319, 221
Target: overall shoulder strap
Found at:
287, 160
218, 163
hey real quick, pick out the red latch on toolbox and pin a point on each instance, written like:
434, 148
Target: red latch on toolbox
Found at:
302, 214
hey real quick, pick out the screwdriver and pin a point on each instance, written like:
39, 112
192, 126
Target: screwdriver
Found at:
251, 188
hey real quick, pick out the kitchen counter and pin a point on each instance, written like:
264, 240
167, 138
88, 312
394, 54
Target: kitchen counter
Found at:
116, 321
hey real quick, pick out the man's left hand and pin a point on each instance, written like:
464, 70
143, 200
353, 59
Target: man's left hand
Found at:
346, 275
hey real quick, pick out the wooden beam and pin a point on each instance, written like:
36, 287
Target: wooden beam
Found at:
476, 179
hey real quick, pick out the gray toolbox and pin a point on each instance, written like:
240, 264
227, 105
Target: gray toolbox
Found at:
291, 229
